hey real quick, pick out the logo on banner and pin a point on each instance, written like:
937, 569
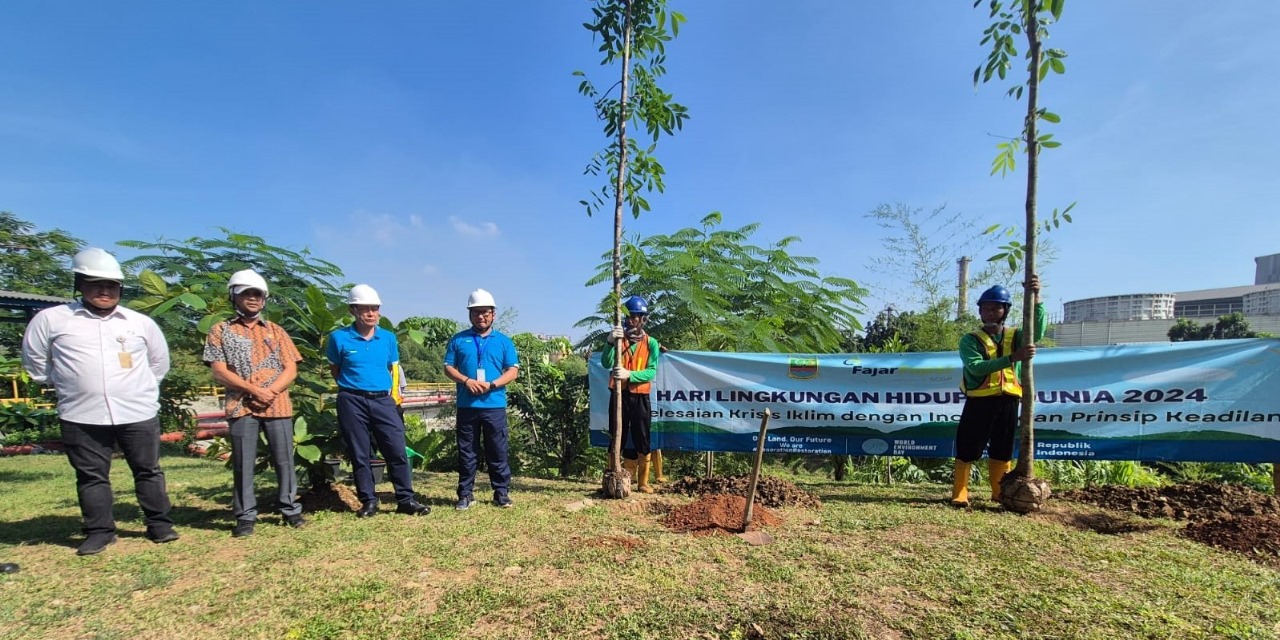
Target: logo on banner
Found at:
802, 368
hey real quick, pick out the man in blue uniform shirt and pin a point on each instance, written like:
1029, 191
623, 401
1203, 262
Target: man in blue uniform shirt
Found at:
483, 362
361, 357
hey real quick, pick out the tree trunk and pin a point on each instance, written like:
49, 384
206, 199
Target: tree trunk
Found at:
617, 482
1021, 491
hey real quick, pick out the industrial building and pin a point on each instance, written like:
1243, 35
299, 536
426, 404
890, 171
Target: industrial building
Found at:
1147, 317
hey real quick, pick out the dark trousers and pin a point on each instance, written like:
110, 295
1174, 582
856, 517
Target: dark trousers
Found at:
244, 459
487, 428
636, 420
368, 421
89, 448
987, 422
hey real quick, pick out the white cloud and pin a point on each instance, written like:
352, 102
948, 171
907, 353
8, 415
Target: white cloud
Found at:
383, 228
468, 229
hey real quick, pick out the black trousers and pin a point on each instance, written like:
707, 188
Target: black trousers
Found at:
637, 418
987, 422
89, 448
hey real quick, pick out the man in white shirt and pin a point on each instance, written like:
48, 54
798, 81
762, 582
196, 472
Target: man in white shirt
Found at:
105, 363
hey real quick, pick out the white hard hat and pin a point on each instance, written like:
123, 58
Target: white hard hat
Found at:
480, 298
97, 264
248, 279
363, 294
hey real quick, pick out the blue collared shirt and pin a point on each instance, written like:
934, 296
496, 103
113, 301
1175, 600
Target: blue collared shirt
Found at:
468, 351
363, 364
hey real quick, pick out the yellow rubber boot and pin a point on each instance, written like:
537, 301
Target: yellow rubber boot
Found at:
996, 470
960, 484
656, 458
643, 474
630, 466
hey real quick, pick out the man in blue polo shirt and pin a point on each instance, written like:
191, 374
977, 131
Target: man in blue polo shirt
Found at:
361, 357
483, 362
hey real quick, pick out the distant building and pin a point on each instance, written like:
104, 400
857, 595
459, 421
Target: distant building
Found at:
1147, 317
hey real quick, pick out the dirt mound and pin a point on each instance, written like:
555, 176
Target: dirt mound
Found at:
1195, 502
713, 514
770, 492
331, 497
1257, 536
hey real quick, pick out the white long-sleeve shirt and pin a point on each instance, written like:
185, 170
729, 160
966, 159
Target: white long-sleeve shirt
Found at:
105, 370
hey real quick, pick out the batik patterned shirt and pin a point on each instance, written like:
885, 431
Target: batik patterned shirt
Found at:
255, 351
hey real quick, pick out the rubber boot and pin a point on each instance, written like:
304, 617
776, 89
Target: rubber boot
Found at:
643, 474
630, 466
960, 484
996, 470
656, 458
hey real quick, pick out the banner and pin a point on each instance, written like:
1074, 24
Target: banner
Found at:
1212, 401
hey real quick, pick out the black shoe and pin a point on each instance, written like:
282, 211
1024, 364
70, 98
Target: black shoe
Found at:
243, 529
160, 535
295, 521
413, 508
503, 502
8, 567
368, 510
95, 544
463, 504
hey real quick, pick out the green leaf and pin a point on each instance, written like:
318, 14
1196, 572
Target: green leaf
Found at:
308, 452
1049, 116
152, 283
1057, 65
1051, 144
991, 229
194, 301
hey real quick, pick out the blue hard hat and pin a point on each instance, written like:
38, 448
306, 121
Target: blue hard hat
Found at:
636, 306
996, 294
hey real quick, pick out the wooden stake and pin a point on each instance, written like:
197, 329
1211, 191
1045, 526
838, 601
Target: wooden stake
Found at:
755, 470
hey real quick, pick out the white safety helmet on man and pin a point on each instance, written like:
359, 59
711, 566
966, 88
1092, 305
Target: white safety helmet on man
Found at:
245, 280
364, 294
96, 264
480, 298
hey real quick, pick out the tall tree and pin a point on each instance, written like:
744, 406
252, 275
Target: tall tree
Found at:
1022, 491
633, 34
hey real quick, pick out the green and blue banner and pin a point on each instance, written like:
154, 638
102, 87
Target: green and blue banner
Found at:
1212, 401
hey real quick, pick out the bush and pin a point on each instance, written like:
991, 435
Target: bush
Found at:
22, 423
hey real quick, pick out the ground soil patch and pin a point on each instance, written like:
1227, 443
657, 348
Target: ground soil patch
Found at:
1227, 516
713, 514
1193, 501
330, 497
770, 492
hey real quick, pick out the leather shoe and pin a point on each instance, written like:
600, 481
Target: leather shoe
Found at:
295, 521
8, 567
96, 543
368, 510
243, 529
413, 508
161, 535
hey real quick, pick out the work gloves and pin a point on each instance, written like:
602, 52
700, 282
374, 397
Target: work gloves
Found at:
621, 374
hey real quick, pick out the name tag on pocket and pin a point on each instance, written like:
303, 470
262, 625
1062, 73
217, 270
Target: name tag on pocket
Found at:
126, 360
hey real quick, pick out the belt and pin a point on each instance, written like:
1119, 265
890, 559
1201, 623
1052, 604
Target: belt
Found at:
366, 394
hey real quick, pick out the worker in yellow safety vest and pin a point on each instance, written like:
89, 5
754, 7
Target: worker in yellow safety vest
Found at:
992, 358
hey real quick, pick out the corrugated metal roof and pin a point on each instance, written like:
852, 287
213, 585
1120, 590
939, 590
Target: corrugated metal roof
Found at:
11, 297
1225, 292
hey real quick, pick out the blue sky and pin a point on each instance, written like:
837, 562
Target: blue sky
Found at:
430, 148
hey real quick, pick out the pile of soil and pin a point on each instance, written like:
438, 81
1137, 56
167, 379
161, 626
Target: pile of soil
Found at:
1255, 536
1195, 501
1227, 516
770, 492
712, 514
330, 497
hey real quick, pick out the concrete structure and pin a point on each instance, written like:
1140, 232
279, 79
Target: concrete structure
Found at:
1147, 317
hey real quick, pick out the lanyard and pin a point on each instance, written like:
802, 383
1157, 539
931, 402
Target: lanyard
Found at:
480, 345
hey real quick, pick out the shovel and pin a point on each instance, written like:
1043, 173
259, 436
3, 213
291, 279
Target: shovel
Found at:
756, 538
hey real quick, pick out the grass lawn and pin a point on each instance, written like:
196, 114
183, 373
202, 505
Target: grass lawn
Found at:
873, 562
